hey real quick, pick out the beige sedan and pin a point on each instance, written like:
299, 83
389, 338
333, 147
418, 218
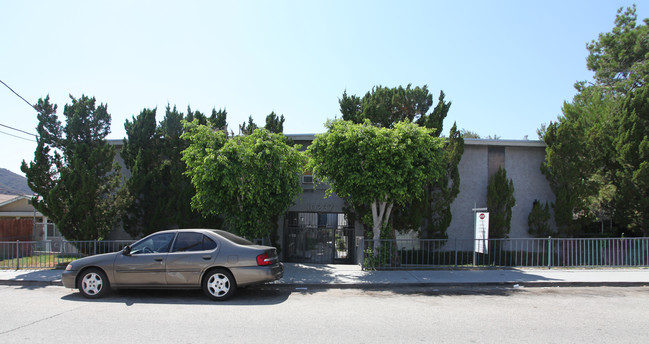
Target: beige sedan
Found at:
214, 260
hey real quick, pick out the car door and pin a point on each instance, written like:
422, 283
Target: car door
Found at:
145, 265
191, 254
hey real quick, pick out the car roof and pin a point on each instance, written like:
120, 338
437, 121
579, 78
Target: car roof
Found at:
222, 234
184, 230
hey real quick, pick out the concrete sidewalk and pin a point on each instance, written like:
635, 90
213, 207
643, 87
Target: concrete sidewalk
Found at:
352, 276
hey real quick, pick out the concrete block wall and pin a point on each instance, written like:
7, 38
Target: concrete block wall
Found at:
522, 162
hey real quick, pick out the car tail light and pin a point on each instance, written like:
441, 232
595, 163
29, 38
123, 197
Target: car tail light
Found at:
263, 259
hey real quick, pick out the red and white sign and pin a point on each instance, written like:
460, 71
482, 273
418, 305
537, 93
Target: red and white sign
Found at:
481, 232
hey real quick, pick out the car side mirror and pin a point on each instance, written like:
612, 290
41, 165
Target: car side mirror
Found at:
127, 250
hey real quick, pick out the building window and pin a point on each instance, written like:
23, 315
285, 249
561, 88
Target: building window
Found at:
316, 220
307, 179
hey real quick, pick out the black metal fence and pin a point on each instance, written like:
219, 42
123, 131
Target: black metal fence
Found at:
391, 254
550, 252
52, 254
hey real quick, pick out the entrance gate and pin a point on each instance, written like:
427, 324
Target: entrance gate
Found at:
320, 238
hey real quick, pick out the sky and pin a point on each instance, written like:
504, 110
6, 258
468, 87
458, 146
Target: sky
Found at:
506, 66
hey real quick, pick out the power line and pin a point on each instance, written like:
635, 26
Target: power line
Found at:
22, 131
22, 138
19, 96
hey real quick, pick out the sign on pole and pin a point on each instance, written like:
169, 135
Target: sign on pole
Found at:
481, 232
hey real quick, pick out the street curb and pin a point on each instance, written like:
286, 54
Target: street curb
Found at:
388, 286
31, 283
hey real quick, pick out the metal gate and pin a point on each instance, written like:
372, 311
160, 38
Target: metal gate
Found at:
320, 238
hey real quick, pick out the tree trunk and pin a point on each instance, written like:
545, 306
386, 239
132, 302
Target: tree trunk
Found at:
380, 215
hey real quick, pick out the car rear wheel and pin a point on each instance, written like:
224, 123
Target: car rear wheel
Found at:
219, 285
93, 284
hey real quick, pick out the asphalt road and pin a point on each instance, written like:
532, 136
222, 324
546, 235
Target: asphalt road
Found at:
264, 315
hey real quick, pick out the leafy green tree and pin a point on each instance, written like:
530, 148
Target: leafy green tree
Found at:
74, 172
179, 190
196, 115
350, 108
219, 120
384, 107
176, 204
275, 124
443, 191
580, 159
42, 173
247, 179
468, 134
632, 144
619, 58
431, 215
248, 128
538, 221
377, 167
586, 149
435, 119
500, 201
142, 151
162, 193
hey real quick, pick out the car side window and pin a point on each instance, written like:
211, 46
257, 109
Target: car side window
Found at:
191, 242
158, 243
208, 244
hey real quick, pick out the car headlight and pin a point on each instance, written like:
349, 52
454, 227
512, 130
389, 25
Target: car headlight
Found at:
69, 267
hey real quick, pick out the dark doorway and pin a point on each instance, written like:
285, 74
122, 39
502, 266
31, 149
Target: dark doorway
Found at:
321, 238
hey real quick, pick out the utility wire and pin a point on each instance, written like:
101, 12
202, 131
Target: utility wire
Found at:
22, 131
19, 96
23, 138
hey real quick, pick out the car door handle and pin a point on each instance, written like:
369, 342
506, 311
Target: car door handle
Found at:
207, 257
157, 259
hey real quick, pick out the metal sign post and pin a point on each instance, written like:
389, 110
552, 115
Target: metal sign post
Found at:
481, 232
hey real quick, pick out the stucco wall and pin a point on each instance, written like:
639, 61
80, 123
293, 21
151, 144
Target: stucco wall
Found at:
20, 205
522, 162
523, 167
473, 191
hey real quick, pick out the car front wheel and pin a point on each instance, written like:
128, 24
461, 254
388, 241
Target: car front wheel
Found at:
219, 285
93, 284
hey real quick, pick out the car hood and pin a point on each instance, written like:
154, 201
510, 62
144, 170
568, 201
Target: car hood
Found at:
99, 259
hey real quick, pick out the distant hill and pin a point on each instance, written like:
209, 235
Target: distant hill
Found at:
13, 184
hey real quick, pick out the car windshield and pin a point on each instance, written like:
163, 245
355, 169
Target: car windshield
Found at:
234, 238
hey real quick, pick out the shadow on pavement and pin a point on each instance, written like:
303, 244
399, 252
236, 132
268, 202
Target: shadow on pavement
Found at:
340, 274
243, 297
36, 279
416, 290
461, 291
